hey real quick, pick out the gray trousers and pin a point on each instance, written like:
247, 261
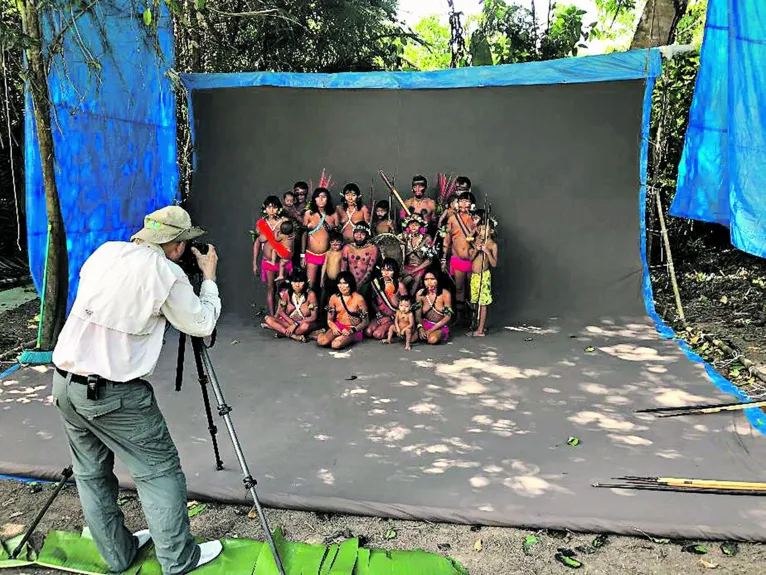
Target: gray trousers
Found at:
125, 421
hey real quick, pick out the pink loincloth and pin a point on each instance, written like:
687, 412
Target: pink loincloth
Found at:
358, 335
315, 259
460, 265
267, 266
429, 325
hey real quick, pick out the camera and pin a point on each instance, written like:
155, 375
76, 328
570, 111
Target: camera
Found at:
188, 261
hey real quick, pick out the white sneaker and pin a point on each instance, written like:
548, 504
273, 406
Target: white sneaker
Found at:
143, 537
208, 551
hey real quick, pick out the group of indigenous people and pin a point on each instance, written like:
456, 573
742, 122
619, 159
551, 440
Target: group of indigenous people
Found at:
331, 275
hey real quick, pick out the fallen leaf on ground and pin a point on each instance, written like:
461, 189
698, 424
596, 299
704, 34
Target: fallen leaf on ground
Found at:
197, 509
709, 564
16, 514
234, 342
568, 561
729, 548
477, 545
390, 534
724, 299
694, 549
529, 542
573, 441
600, 541
443, 546
352, 378
590, 349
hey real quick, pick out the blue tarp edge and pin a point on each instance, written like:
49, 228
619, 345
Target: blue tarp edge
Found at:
754, 415
631, 65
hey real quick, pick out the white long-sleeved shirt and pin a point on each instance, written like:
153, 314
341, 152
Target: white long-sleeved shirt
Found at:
127, 292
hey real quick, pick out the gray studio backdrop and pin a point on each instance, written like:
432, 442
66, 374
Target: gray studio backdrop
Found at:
560, 165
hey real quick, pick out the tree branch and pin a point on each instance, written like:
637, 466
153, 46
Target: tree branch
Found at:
59, 37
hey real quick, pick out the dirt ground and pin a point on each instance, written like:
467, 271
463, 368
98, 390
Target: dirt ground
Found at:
501, 549
723, 294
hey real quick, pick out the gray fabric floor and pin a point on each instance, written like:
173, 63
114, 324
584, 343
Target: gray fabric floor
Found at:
473, 431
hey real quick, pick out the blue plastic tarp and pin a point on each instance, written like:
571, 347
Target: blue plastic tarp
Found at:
722, 174
631, 65
114, 130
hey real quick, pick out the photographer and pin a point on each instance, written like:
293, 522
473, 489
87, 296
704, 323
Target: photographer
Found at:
108, 347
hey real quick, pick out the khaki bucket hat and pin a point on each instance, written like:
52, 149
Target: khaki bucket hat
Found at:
168, 224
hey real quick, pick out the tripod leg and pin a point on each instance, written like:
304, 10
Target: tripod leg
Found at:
65, 475
197, 347
224, 411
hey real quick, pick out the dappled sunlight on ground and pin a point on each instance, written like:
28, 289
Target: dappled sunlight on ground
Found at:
631, 352
527, 418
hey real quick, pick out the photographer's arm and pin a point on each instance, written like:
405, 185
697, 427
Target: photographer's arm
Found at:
191, 314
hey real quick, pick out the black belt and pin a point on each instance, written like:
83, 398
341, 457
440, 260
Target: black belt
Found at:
94, 382
81, 379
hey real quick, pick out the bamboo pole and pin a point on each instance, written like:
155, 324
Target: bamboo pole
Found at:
656, 160
753, 369
671, 267
17, 350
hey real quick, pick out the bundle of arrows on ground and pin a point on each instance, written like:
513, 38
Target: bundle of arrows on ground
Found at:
76, 553
680, 484
701, 409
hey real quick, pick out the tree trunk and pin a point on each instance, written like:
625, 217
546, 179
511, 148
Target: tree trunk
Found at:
658, 23
55, 288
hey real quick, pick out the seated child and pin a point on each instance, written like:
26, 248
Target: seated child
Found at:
404, 323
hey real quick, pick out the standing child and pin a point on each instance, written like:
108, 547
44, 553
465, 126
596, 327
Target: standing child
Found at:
404, 323
331, 266
484, 256
381, 220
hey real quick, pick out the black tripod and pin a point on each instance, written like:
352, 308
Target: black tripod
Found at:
206, 376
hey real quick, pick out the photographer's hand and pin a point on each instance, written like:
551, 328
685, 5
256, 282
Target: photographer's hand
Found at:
208, 262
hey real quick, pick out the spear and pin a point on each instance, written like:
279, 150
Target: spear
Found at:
391, 187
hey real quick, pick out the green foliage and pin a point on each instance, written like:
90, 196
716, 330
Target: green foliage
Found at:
290, 35
508, 33
617, 20
432, 52
691, 27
